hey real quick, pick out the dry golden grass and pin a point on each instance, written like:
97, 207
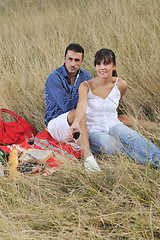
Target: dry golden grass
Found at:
120, 203
34, 35
123, 201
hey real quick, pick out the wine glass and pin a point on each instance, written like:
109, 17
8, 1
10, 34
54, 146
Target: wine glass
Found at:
76, 136
30, 139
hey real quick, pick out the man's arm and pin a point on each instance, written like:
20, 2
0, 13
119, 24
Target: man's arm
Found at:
128, 121
131, 121
59, 94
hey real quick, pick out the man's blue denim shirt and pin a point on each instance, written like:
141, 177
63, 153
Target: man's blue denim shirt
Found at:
60, 95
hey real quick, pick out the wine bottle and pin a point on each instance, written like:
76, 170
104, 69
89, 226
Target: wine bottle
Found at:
2, 154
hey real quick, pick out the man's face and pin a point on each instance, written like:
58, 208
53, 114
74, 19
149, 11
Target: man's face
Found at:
73, 61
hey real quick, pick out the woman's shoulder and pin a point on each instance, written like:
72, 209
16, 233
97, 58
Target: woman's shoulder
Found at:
84, 86
122, 86
121, 83
88, 83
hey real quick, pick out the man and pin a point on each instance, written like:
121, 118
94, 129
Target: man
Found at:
61, 97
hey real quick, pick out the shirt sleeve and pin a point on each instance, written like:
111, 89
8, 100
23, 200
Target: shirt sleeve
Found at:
59, 94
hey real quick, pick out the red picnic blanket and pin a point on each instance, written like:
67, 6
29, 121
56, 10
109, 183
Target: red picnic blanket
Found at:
42, 141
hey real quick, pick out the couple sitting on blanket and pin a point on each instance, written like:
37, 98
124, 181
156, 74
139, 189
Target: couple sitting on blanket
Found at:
75, 102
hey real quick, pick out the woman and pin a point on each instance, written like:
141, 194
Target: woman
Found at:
99, 98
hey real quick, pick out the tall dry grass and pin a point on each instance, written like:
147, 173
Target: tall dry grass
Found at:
122, 202
34, 35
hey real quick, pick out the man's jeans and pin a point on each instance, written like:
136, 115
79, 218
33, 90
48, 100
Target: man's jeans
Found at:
122, 139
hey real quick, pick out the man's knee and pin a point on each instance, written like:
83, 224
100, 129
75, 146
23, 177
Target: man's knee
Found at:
70, 117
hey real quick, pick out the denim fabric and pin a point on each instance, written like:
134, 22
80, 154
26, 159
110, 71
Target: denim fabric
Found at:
60, 95
122, 139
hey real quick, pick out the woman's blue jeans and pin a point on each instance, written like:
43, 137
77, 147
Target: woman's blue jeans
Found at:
122, 139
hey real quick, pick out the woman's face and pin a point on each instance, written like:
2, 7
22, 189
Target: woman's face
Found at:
105, 69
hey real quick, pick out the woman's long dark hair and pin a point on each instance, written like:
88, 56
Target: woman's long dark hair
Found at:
106, 55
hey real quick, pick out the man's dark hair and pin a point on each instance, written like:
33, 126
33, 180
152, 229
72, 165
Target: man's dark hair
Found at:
76, 48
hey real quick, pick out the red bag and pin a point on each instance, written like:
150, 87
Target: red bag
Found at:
14, 132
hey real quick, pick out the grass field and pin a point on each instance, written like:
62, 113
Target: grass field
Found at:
123, 202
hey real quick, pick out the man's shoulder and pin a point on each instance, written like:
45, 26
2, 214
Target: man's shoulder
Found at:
84, 72
59, 72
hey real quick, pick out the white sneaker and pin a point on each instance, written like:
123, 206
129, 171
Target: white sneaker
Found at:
91, 165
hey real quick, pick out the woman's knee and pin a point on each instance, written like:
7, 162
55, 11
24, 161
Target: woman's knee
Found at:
104, 143
120, 130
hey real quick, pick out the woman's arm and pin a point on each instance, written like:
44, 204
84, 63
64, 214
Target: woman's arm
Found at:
122, 86
81, 108
131, 121
128, 120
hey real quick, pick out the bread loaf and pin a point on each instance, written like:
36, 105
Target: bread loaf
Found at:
13, 162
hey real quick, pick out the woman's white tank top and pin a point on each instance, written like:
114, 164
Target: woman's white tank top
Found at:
102, 113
